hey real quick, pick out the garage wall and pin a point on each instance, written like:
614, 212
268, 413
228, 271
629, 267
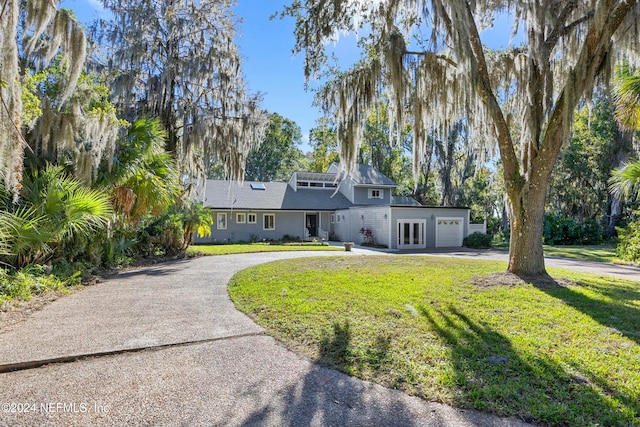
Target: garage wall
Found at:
429, 215
372, 217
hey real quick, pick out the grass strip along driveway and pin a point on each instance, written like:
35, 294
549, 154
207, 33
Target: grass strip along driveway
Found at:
228, 249
562, 352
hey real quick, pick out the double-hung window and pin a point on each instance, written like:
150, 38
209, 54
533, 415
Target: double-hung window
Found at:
269, 222
375, 193
221, 221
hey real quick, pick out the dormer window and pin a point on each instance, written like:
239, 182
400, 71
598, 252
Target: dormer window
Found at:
375, 193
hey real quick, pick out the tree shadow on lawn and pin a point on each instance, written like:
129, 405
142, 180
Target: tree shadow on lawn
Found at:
612, 310
328, 397
489, 374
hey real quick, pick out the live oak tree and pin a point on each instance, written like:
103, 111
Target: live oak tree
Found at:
523, 97
47, 34
178, 61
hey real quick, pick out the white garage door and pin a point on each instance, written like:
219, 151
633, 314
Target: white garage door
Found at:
449, 232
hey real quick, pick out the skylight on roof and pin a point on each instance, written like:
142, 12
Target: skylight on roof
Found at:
257, 186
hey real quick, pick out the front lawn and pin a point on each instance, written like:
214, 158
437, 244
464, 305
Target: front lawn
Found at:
258, 247
559, 353
600, 253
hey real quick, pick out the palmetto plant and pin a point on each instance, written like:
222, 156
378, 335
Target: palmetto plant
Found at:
144, 177
196, 218
624, 180
55, 212
627, 99
626, 95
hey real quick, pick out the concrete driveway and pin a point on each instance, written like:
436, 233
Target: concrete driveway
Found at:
163, 345
593, 267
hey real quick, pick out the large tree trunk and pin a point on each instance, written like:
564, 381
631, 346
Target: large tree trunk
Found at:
526, 257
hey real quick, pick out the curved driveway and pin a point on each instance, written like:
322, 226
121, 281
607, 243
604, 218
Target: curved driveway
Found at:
599, 268
163, 345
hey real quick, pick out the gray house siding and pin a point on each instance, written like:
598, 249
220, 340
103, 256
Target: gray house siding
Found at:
286, 222
429, 215
361, 195
346, 189
356, 218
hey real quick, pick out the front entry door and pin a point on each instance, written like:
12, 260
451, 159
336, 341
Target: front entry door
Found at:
312, 224
411, 234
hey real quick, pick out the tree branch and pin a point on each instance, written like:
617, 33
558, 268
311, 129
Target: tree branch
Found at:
505, 143
560, 28
433, 56
588, 66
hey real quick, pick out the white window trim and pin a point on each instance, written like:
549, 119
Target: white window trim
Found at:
338, 218
333, 218
255, 218
380, 193
241, 218
264, 218
221, 224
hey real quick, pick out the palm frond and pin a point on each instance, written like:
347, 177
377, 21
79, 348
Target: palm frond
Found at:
624, 180
626, 95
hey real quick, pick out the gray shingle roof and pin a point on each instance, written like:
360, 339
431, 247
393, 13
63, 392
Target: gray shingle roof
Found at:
366, 175
404, 201
222, 194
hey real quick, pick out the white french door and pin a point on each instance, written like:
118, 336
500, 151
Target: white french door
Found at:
411, 233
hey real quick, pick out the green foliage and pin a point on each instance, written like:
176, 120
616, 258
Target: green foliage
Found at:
624, 181
239, 248
482, 193
477, 240
278, 156
169, 233
144, 176
579, 186
628, 247
195, 218
560, 230
627, 95
325, 145
56, 217
30, 281
30, 102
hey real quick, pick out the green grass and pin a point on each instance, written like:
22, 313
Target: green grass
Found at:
258, 247
600, 253
565, 353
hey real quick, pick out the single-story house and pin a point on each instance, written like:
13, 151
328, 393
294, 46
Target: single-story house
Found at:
328, 206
